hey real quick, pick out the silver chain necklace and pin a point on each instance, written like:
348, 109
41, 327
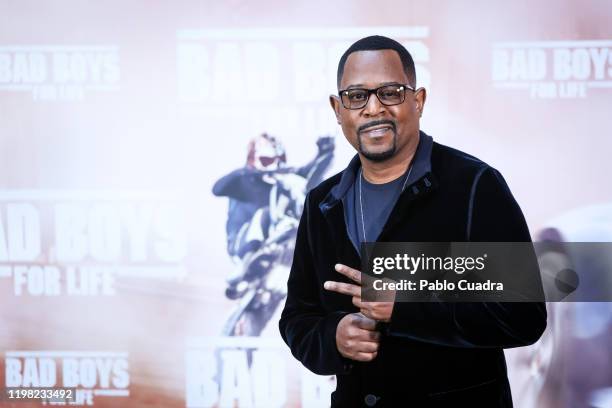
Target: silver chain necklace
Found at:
361, 200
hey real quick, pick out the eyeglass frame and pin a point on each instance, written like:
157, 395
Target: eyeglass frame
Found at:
375, 91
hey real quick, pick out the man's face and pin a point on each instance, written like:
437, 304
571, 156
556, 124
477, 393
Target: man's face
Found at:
377, 131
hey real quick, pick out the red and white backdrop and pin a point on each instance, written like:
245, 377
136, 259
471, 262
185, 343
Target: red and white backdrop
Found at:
118, 118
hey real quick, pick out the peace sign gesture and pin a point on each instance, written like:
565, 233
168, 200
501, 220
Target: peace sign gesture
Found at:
380, 311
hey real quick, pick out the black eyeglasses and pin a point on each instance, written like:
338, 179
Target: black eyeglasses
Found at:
388, 95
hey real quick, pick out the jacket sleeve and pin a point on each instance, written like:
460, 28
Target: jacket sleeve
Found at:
308, 330
494, 216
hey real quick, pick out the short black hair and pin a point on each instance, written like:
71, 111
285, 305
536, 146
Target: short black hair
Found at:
378, 42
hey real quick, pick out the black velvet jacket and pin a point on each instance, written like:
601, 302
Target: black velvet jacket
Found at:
431, 354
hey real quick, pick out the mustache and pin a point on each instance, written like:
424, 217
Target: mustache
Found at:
376, 123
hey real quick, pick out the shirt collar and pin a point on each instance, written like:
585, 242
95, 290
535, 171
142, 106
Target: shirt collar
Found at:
421, 165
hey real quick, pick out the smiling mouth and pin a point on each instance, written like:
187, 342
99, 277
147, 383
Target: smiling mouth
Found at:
377, 131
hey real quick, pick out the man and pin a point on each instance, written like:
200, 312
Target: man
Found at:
401, 186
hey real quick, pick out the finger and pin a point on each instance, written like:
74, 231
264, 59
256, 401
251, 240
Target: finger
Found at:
362, 335
365, 356
367, 311
349, 272
344, 288
367, 347
364, 322
357, 302
373, 336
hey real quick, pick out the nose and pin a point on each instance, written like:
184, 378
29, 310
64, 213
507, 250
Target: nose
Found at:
373, 107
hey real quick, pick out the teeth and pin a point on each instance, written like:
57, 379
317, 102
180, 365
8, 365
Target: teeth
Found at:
377, 132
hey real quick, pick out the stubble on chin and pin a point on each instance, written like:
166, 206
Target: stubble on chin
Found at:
378, 156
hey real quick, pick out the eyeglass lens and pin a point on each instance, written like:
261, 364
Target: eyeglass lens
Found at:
387, 95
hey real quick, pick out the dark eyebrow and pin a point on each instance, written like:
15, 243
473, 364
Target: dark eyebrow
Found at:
362, 86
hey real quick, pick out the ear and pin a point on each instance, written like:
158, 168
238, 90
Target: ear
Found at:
420, 96
334, 101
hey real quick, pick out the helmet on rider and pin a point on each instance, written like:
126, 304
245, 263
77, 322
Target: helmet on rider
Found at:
266, 153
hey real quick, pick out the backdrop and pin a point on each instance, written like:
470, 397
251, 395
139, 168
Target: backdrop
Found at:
154, 158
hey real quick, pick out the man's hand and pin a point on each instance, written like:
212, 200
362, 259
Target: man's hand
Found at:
380, 311
357, 338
